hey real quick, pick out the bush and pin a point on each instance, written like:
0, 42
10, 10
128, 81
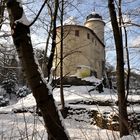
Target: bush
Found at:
10, 83
4, 101
84, 73
22, 92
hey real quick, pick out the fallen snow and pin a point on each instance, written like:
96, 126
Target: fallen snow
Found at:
23, 20
130, 137
92, 79
16, 125
76, 93
28, 126
26, 102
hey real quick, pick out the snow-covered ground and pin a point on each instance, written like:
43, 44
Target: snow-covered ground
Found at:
17, 126
25, 126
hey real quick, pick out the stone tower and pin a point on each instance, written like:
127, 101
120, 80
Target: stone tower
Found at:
94, 22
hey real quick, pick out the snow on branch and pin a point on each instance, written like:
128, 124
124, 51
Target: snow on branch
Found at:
23, 20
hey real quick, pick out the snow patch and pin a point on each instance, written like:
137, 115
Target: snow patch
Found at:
92, 79
23, 20
76, 130
129, 138
28, 35
25, 102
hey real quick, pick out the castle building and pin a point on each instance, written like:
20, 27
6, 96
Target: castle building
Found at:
83, 48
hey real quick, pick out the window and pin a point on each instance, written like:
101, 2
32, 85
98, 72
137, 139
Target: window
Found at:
76, 32
88, 36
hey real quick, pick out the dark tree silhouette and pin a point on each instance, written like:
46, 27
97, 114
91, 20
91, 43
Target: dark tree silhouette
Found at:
39, 87
123, 117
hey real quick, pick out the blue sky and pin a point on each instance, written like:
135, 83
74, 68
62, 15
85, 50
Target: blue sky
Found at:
129, 9
80, 10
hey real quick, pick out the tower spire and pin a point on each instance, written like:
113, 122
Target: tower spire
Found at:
94, 6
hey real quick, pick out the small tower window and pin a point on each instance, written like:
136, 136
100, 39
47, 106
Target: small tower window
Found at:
76, 32
88, 36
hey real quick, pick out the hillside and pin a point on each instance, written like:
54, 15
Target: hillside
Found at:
21, 121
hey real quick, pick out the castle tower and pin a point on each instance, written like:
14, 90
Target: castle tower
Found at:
83, 48
94, 22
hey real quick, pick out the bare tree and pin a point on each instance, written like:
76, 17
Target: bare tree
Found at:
61, 56
41, 90
50, 28
123, 117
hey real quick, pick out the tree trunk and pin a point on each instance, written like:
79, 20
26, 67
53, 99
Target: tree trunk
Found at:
123, 118
61, 57
39, 87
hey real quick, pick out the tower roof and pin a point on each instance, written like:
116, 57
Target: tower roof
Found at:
94, 15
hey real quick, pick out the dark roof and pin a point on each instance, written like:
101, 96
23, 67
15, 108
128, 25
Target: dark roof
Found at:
93, 15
